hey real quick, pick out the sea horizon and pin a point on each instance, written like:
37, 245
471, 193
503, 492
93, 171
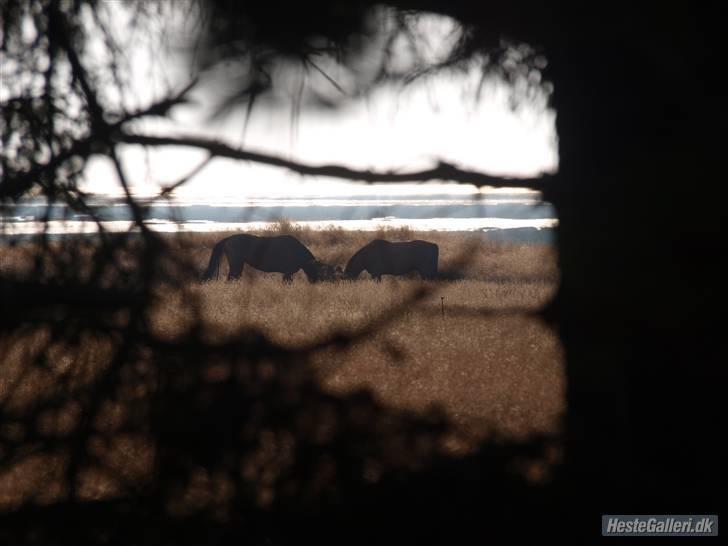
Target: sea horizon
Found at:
503, 215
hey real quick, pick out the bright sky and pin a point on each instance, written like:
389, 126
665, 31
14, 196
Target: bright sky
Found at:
394, 128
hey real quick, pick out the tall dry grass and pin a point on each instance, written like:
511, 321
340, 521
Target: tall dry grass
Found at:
467, 255
492, 369
489, 363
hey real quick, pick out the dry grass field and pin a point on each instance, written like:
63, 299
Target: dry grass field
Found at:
488, 363
469, 346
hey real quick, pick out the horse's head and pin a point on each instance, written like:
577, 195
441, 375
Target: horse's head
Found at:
329, 272
317, 271
350, 273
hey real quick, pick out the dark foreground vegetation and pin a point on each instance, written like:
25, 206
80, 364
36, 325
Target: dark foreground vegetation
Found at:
132, 433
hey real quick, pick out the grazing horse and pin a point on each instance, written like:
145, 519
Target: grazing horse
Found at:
385, 258
281, 254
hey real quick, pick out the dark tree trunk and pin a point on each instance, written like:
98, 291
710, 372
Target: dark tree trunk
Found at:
641, 258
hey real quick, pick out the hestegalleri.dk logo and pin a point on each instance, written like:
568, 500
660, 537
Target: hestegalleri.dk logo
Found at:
660, 525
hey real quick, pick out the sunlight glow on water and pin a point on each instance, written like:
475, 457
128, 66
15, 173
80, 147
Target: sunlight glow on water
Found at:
503, 215
57, 227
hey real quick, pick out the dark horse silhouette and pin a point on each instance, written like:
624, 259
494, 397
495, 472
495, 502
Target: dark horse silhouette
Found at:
382, 257
281, 254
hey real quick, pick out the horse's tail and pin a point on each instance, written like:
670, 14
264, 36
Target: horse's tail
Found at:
213, 268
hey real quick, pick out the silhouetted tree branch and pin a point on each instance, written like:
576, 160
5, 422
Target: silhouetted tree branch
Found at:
443, 171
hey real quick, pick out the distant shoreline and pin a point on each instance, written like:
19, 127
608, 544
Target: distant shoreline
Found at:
503, 217
518, 235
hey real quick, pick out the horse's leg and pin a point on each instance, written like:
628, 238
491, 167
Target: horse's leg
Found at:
236, 270
287, 278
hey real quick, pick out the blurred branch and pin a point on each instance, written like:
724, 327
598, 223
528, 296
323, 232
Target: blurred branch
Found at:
133, 205
161, 108
171, 187
60, 26
19, 183
25, 294
443, 170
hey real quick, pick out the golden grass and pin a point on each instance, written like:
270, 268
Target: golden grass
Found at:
489, 364
485, 260
489, 371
